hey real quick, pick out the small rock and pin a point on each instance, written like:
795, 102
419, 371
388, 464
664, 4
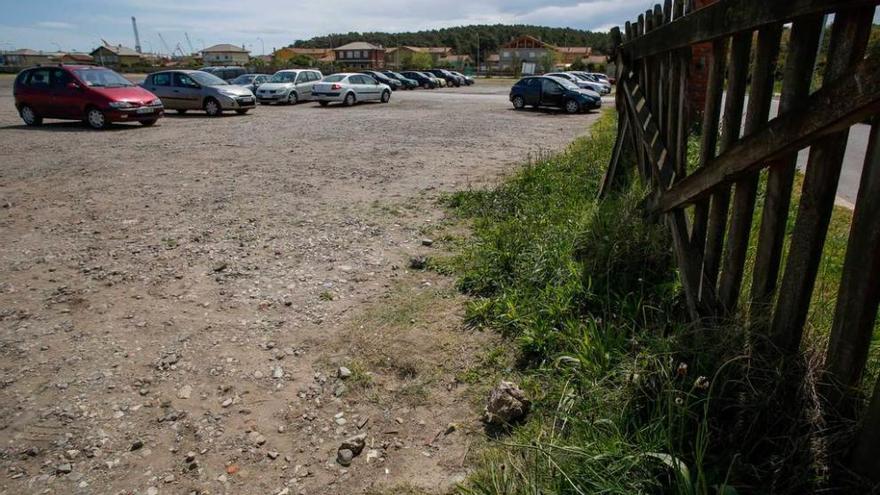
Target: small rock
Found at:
355, 444
418, 262
64, 468
256, 438
232, 469
344, 372
169, 479
190, 456
272, 454
152, 491
258, 374
185, 392
507, 404
278, 372
427, 242
136, 445
344, 457
226, 402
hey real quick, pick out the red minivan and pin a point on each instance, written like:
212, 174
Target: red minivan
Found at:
96, 95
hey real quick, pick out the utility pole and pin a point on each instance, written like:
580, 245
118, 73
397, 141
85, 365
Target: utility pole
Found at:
478, 52
137, 39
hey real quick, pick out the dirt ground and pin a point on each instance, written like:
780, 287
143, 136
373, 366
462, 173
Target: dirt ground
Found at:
176, 302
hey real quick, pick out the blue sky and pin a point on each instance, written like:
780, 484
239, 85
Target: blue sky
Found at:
264, 24
81, 24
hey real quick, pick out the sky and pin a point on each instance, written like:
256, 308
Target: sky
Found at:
262, 25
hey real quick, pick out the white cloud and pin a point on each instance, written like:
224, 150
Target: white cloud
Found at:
55, 25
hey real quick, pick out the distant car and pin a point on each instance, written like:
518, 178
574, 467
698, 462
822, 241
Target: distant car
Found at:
601, 87
423, 80
467, 79
450, 78
228, 74
394, 84
350, 88
580, 82
405, 81
250, 81
184, 90
548, 91
289, 86
95, 95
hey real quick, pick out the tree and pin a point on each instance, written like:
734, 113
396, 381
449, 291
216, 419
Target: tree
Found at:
420, 61
578, 65
300, 60
549, 61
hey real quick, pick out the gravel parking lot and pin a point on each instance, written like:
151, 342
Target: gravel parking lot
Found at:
175, 301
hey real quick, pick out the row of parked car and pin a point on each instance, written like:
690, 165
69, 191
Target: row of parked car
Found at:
566, 90
100, 96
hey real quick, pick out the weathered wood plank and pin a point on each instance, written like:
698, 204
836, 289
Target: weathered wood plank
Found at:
709, 136
798, 74
859, 293
746, 190
737, 80
825, 112
849, 39
728, 17
865, 457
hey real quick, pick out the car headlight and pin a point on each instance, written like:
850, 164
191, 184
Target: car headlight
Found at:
155, 103
228, 93
120, 104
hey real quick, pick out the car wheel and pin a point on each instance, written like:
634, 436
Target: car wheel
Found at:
29, 116
323, 103
519, 103
349, 100
95, 118
148, 123
242, 111
292, 98
181, 111
386, 96
426, 86
212, 107
572, 106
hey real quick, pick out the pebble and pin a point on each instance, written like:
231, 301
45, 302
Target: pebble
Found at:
427, 242
278, 373
64, 468
226, 402
185, 392
258, 374
344, 457
152, 491
344, 372
256, 438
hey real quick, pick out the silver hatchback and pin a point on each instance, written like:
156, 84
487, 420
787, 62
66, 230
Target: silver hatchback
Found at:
289, 86
349, 89
185, 90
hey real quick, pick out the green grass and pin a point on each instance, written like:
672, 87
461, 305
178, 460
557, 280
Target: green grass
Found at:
628, 396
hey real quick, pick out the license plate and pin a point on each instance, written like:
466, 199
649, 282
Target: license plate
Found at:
144, 110
247, 100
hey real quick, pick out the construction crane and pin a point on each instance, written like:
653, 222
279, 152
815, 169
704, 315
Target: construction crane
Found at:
190, 43
137, 39
167, 48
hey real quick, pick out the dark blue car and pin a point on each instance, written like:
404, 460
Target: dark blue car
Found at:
544, 91
420, 78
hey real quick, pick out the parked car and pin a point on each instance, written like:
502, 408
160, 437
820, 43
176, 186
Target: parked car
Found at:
405, 81
184, 90
228, 74
450, 78
602, 77
582, 83
467, 79
250, 81
602, 87
350, 88
394, 84
548, 91
289, 86
95, 95
423, 80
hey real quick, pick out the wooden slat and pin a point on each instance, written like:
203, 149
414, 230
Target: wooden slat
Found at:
671, 99
680, 60
737, 79
611, 170
796, 81
825, 112
848, 41
859, 292
728, 17
709, 136
865, 458
745, 192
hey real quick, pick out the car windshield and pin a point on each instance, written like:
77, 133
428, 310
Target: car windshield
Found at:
565, 82
206, 79
283, 77
102, 78
243, 79
334, 78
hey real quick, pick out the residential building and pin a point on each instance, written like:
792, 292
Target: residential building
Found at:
360, 54
225, 54
283, 55
117, 56
531, 49
77, 58
26, 57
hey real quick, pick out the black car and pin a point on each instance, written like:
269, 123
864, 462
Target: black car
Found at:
250, 81
420, 78
467, 79
544, 91
451, 79
394, 84
405, 81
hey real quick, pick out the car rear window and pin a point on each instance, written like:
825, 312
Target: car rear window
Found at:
334, 78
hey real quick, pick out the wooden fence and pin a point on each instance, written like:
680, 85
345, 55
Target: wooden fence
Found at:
709, 206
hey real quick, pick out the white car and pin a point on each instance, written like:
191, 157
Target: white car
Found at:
288, 86
604, 84
581, 83
350, 88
